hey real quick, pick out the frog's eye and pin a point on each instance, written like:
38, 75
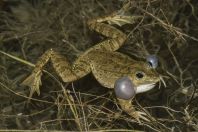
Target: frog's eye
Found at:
124, 88
152, 61
139, 74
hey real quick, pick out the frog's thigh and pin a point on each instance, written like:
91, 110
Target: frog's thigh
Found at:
67, 71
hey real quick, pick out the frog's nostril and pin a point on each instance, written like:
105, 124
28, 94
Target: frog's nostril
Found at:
124, 88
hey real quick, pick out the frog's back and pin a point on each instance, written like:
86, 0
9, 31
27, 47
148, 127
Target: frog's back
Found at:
109, 58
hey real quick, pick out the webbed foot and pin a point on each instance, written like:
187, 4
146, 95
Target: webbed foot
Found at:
121, 18
33, 81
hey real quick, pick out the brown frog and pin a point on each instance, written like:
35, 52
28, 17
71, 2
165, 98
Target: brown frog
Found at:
103, 62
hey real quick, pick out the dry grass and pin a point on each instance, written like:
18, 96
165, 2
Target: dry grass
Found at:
28, 28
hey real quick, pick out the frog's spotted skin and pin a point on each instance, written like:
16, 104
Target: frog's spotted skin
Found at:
105, 64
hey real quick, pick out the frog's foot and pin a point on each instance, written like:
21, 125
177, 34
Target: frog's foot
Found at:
121, 20
129, 109
120, 17
138, 115
33, 81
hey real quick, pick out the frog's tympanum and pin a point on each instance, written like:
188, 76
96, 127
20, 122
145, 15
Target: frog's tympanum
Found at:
103, 62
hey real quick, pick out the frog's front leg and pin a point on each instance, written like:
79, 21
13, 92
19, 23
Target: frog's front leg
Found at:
127, 106
64, 69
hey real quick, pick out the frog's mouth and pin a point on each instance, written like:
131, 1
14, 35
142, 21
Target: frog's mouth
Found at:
144, 87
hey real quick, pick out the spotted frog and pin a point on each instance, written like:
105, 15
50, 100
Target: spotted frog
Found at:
103, 62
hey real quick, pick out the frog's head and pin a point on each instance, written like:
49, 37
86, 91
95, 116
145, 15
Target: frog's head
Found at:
143, 76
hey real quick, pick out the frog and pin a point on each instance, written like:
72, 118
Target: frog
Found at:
102, 60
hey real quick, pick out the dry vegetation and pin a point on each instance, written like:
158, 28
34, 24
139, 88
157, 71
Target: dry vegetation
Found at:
169, 29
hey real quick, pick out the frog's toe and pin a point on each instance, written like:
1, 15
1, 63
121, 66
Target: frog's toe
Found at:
121, 20
121, 17
34, 82
140, 116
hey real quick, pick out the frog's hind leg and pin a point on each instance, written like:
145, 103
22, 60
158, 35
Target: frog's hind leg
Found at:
117, 37
63, 68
